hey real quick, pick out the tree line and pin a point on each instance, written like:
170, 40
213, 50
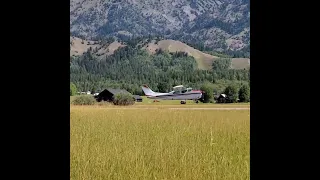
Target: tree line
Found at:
233, 93
130, 67
242, 53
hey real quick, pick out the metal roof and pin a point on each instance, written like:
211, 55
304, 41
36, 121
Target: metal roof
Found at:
116, 91
137, 97
224, 95
179, 86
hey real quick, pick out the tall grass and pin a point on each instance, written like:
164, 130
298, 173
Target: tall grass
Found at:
159, 144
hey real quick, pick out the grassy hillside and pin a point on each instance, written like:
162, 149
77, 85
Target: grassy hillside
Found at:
204, 60
240, 63
79, 46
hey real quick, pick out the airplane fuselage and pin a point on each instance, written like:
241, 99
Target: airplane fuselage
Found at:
179, 93
178, 96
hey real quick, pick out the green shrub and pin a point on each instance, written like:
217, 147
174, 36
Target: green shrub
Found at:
123, 99
232, 93
208, 93
84, 100
73, 89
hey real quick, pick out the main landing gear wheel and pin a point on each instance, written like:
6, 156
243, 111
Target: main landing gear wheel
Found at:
183, 102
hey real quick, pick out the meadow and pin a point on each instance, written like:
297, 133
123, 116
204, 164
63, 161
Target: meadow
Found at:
160, 143
147, 101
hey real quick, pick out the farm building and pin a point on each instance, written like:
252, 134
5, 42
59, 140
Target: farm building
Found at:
107, 94
137, 98
222, 98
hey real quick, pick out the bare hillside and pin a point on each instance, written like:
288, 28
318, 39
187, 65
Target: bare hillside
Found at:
79, 46
240, 63
204, 60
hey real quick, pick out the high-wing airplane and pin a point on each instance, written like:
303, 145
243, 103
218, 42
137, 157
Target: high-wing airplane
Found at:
179, 93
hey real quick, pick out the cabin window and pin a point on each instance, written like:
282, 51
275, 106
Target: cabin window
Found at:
176, 92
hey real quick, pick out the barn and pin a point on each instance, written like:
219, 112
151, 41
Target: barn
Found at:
107, 94
222, 98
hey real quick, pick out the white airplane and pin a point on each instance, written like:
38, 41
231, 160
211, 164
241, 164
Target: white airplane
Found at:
178, 93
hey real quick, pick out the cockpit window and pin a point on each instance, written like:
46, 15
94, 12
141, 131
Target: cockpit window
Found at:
181, 90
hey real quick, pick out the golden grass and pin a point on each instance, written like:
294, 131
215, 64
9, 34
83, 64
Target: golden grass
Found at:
158, 144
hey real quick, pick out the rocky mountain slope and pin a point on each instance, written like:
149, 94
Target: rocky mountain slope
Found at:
219, 24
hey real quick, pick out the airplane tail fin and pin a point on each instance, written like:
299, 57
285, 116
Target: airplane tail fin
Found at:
147, 91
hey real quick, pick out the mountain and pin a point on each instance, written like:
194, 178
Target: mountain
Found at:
103, 49
218, 24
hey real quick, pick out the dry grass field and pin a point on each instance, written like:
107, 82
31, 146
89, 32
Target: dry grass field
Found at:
159, 143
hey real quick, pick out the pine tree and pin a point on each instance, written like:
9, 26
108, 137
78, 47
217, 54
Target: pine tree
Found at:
244, 93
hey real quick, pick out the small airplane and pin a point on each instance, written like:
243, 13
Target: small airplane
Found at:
179, 93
